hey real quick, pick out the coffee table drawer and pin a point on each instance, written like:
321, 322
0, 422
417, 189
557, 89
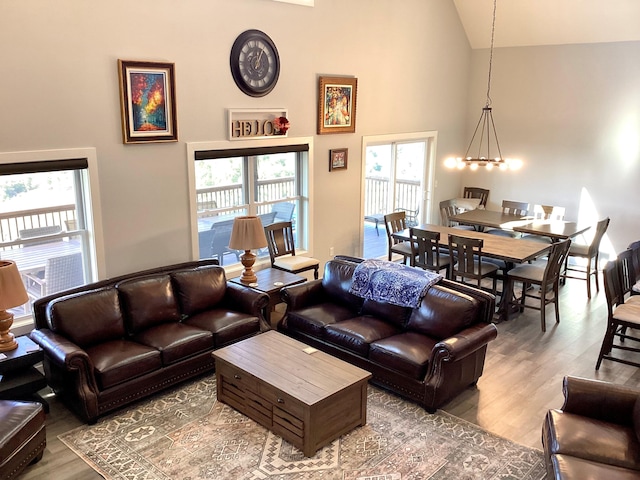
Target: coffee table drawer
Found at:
282, 400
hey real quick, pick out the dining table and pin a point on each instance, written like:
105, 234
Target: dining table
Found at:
33, 258
510, 250
556, 230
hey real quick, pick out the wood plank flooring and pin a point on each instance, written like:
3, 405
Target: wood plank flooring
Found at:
521, 381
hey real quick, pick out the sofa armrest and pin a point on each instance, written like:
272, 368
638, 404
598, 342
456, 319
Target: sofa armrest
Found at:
247, 300
599, 400
303, 295
465, 342
61, 350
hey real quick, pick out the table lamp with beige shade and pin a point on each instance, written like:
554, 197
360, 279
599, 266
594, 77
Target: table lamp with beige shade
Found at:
247, 234
12, 294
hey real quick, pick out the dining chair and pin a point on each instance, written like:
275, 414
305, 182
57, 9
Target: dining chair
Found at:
469, 264
477, 192
426, 253
447, 209
634, 247
282, 250
60, 273
511, 208
393, 223
590, 253
621, 315
544, 212
544, 274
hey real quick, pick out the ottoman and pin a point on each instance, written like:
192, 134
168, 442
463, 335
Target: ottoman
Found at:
22, 436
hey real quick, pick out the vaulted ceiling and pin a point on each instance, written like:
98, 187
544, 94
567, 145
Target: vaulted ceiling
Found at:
550, 22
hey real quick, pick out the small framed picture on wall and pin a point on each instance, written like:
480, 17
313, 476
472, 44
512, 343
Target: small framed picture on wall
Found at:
338, 159
337, 105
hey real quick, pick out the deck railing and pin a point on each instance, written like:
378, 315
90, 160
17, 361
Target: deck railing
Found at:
12, 223
377, 191
229, 196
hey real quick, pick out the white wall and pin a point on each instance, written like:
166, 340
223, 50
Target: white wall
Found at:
572, 114
58, 71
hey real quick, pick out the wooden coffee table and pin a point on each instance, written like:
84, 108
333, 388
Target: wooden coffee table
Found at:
306, 396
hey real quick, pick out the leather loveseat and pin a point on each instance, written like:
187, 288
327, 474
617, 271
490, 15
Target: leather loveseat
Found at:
595, 434
428, 354
110, 343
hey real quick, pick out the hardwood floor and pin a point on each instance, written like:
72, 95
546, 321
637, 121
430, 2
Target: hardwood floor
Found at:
522, 379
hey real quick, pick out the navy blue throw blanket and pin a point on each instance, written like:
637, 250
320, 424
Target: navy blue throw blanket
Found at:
392, 282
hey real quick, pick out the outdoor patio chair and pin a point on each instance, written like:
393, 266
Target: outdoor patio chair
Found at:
283, 211
40, 232
60, 273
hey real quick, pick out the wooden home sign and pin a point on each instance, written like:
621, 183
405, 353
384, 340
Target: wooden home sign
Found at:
245, 124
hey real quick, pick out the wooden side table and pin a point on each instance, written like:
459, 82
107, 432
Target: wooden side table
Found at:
271, 281
19, 378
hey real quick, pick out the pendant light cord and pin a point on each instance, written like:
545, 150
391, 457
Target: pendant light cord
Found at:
493, 29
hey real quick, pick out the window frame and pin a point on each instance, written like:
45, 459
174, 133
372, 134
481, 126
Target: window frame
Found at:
232, 149
93, 237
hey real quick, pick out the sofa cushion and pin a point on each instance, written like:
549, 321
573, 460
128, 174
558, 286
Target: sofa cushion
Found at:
443, 313
175, 341
591, 439
407, 353
336, 282
395, 314
117, 361
148, 301
312, 320
357, 333
200, 289
226, 326
87, 318
567, 467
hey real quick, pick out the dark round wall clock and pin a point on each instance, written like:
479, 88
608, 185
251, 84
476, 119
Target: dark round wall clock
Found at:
255, 63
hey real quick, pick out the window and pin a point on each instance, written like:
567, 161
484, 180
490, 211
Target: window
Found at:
270, 182
47, 221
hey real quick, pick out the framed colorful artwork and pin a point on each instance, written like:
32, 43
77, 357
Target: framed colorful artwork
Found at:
338, 159
147, 102
337, 105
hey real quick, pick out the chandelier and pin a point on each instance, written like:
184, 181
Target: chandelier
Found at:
487, 133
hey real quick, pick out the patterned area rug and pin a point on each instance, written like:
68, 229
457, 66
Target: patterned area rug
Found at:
186, 434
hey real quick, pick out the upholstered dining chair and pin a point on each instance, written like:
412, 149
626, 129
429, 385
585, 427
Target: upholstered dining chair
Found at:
621, 315
544, 274
426, 253
590, 253
469, 264
477, 192
393, 223
282, 250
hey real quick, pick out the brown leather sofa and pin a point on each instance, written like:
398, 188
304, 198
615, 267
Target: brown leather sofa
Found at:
113, 342
595, 434
22, 436
428, 354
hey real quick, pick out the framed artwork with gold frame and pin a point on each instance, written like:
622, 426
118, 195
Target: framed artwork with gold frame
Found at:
337, 105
